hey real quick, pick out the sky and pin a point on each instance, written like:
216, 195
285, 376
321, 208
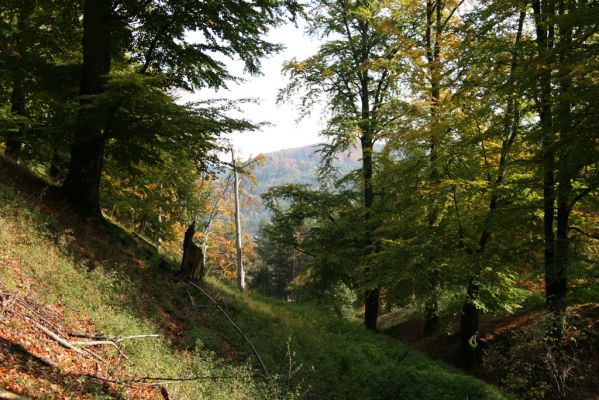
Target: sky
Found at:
284, 130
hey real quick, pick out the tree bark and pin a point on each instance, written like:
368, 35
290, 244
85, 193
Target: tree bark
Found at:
556, 256
239, 255
558, 289
192, 264
82, 185
434, 21
371, 297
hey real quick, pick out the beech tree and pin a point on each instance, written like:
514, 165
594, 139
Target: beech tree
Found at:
564, 37
354, 74
160, 30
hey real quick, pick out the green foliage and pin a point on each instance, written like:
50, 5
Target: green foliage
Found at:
310, 354
157, 151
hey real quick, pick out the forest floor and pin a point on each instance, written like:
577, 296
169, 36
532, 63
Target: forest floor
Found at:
513, 339
62, 277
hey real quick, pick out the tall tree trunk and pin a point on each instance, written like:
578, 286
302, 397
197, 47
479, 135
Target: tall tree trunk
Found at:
239, 255
82, 185
434, 24
470, 312
559, 286
555, 279
371, 298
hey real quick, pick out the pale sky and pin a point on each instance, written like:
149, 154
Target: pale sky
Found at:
285, 132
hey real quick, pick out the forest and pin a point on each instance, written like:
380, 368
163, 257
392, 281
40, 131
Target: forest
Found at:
447, 247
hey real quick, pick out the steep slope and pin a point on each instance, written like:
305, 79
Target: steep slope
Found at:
61, 276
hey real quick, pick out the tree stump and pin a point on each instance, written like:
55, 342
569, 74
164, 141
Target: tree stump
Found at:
192, 264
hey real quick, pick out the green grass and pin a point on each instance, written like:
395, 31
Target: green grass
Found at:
310, 353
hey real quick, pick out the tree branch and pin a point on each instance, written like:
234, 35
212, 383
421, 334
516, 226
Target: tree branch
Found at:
205, 293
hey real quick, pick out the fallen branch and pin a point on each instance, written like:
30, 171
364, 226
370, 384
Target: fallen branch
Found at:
122, 339
6, 395
63, 342
205, 293
114, 339
101, 339
162, 380
100, 343
57, 338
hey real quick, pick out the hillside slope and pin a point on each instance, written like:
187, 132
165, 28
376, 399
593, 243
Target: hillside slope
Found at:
62, 276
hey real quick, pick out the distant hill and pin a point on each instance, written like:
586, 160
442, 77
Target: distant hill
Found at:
297, 165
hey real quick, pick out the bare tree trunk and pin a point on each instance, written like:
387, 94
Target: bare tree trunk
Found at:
556, 256
240, 270
371, 297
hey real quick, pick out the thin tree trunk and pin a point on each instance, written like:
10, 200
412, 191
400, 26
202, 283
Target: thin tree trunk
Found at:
82, 185
371, 297
555, 279
434, 16
240, 270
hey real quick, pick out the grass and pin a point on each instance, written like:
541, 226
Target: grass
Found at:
92, 274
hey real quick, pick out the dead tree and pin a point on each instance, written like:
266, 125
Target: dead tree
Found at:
192, 264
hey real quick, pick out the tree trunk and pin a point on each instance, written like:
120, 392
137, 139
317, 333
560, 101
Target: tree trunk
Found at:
434, 30
555, 273
371, 308
82, 185
371, 298
469, 326
192, 264
239, 255
558, 288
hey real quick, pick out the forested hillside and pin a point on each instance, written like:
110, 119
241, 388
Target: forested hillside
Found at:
290, 166
454, 204
300, 166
